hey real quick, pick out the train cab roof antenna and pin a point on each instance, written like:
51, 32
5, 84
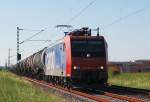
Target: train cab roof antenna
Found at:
66, 33
97, 30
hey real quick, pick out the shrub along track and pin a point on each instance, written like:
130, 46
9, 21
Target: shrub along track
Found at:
86, 96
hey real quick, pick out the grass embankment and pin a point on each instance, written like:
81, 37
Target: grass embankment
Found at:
135, 80
16, 89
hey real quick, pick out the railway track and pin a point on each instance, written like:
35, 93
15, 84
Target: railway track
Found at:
130, 90
142, 94
123, 97
77, 95
71, 93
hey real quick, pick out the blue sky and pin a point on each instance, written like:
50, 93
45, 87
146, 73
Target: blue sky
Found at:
127, 40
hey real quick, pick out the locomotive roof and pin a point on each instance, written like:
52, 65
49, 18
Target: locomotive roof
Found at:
87, 37
75, 37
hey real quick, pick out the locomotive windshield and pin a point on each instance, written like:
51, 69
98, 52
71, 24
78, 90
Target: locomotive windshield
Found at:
88, 48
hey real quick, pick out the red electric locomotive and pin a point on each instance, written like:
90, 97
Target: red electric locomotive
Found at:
78, 58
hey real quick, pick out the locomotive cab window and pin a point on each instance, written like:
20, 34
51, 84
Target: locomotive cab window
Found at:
88, 48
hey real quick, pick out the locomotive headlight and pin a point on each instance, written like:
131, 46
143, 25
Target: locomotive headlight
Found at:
102, 67
75, 67
68, 75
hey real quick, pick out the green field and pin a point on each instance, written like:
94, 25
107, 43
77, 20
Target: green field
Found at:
135, 80
15, 89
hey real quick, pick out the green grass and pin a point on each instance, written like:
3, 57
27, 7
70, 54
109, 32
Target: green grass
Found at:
135, 80
16, 89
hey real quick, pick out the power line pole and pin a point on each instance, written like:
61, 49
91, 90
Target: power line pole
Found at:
18, 41
5, 64
8, 57
18, 52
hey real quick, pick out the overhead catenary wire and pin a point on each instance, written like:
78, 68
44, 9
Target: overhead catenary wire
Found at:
29, 38
39, 32
38, 47
78, 14
73, 18
27, 29
41, 40
126, 16
32, 36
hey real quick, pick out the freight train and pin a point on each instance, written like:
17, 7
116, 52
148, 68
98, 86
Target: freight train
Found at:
77, 58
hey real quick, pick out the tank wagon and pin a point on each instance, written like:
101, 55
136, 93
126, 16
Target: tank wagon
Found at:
77, 58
